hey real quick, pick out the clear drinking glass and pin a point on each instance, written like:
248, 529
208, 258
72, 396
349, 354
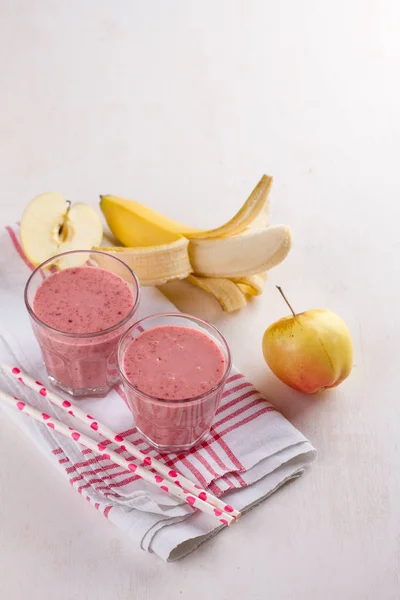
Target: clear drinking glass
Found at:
173, 425
82, 364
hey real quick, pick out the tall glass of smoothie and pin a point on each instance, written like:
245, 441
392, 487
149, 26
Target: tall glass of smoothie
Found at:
174, 367
78, 314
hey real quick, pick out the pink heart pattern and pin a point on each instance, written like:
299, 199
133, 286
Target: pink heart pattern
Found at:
70, 412
16, 371
217, 512
43, 391
101, 447
39, 383
172, 473
132, 467
107, 456
66, 404
164, 487
228, 508
75, 435
224, 521
90, 417
158, 479
45, 417
20, 405
147, 460
119, 438
50, 425
94, 425
203, 496
190, 500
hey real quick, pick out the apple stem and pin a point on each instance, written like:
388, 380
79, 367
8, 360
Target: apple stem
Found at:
286, 300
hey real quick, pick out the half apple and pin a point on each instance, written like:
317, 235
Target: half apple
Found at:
51, 225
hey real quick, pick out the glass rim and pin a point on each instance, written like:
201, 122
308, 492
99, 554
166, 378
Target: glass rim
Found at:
49, 261
189, 317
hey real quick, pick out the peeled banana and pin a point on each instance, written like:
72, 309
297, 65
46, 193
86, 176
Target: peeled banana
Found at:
239, 255
229, 261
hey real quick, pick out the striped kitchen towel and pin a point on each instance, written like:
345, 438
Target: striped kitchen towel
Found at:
250, 442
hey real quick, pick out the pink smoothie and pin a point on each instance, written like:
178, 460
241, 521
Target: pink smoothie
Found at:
81, 301
173, 362
180, 368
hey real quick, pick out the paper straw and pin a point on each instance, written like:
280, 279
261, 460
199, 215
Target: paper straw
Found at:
188, 491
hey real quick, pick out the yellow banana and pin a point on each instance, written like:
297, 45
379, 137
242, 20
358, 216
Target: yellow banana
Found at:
229, 261
137, 225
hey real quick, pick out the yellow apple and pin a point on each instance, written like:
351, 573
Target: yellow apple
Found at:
309, 351
50, 225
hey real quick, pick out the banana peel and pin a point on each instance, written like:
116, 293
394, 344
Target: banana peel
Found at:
154, 265
229, 261
252, 285
228, 293
137, 225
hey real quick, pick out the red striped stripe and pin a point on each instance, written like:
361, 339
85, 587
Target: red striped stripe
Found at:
215, 456
107, 511
234, 377
247, 420
235, 461
238, 412
239, 478
234, 401
96, 471
236, 388
215, 489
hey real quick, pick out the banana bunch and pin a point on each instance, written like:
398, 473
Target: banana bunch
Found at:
229, 262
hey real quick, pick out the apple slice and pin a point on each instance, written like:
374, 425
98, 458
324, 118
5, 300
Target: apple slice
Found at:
50, 225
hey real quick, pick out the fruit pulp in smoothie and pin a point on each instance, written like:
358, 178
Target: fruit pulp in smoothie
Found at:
173, 366
75, 303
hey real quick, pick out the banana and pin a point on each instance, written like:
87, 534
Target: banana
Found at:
137, 225
229, 261
227, 293
154, 265
253, 285
240, 255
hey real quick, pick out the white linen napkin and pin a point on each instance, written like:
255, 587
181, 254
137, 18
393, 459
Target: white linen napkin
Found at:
252, 449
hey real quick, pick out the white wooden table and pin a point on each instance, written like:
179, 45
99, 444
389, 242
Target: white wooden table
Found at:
183, 105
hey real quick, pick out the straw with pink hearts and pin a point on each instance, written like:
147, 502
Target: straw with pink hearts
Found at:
167, 479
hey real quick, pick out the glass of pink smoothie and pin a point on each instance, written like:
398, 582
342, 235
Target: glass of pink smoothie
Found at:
78, 315
174, 368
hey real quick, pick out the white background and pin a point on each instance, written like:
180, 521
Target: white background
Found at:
183, 105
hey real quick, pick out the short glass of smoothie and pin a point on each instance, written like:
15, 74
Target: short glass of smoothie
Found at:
174, 368
78, 314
